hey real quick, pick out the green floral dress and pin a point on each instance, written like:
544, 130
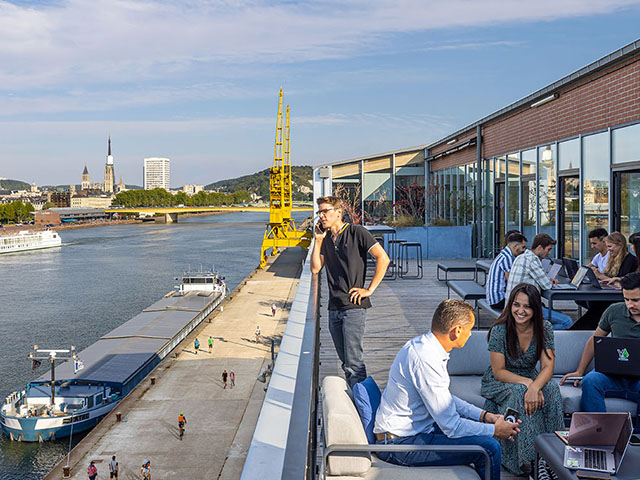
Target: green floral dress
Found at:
499, 396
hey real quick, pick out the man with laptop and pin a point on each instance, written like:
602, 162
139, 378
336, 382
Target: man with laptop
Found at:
600, 259
527, 268
618, 373
498, 275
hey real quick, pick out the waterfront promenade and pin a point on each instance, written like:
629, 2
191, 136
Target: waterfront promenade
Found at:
220, 421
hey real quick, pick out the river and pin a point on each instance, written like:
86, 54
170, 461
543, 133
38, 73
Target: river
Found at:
99, 279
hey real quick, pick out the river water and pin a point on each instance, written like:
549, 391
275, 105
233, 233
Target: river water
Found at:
99, 279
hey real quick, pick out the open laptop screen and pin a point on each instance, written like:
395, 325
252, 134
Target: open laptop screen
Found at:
623, 442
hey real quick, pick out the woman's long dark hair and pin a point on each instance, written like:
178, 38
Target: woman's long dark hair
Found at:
634, 239
506, 318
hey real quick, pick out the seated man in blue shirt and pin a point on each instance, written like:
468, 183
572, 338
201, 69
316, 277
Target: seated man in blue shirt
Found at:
622, 320
499, 272
417, 408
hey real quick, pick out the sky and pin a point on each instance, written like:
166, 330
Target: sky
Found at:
198, 81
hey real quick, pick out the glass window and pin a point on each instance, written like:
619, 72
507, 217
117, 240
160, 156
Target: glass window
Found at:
547, 191
500, 168
569, 154
570, 226
376, 190
469, 189
595, 187
529, 201
347, 186
629, 202
626, 144
410, 191
513, 192
487, 202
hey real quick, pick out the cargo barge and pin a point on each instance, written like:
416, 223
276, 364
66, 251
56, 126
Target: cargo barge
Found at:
81, 391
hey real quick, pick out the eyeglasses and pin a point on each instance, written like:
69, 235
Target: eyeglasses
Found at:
324, 212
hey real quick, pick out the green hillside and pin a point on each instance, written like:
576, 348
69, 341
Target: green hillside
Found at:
258, 183
14, 185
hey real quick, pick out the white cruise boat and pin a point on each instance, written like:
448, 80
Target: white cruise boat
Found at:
27, 240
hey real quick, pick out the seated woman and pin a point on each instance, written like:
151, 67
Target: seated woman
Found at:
519, 338
634, 243
620, 263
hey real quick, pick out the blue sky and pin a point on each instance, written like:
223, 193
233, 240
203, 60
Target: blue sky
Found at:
198, 81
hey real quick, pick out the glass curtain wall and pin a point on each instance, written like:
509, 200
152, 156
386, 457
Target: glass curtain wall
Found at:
547, 192
376, 190
410, 191
347, 186
513, 191
626, 148
487, 205
569, 214
529, 194
595, 187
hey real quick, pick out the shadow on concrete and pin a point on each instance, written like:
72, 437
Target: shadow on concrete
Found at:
288, 263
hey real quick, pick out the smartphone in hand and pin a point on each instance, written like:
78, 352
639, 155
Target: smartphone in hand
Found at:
511, 415
319, 227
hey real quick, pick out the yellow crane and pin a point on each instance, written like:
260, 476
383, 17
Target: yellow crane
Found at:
281, 229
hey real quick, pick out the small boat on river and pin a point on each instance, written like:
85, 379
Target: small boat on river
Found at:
79, 392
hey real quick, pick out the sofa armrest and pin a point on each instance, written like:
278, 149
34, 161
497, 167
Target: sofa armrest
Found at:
338, 448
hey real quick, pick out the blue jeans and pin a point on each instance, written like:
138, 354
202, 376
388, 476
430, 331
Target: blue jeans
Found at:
426, 458
559, 320
597, 386
347, 331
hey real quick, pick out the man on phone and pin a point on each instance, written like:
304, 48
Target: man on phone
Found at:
343, 249
622, 320
417, 407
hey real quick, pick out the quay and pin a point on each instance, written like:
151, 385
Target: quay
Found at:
220, 422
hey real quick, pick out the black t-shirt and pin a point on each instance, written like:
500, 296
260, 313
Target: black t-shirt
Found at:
346, 263
629, 264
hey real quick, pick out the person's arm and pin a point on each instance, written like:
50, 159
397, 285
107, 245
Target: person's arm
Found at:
317, 260
587, 356
498, 365
541, 278
382, 262
443, 407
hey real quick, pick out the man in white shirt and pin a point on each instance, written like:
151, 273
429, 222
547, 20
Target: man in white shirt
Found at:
599, 262
417, 408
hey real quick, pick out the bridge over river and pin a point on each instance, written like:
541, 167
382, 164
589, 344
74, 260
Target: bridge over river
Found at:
171, 213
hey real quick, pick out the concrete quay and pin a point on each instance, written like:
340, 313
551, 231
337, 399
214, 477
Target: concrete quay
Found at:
220, 422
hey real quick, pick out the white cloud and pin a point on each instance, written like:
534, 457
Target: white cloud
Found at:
75, 42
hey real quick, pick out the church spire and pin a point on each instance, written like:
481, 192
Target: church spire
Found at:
109, 150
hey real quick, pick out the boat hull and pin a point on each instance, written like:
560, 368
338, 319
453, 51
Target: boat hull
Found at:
39, 429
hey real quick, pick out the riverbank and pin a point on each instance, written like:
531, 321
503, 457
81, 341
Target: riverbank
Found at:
220, 420
10, 229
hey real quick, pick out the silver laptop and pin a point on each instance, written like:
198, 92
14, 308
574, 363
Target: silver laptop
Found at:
554, 270
575, 281
598, 441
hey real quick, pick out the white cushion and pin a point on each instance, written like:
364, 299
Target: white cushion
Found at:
342, 425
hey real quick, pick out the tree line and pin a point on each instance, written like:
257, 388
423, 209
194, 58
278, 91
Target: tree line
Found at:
159, 197
15, 212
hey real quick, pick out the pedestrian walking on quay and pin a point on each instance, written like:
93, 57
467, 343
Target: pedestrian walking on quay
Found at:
274, 308
221, 308
232, 378
196, 345
224, 379
210, 344
113, 468
92, 471
257, 333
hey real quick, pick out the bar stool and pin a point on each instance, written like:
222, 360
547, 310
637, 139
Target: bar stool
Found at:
395, 246
405, 259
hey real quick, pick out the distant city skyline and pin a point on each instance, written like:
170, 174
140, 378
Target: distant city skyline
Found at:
360, 77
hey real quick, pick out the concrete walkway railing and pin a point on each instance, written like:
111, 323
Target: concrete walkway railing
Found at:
284, 441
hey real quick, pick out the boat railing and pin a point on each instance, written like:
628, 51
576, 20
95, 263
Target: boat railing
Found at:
284, 442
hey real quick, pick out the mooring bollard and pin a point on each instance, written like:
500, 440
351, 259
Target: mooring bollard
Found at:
118, 416
153, 380
66, 471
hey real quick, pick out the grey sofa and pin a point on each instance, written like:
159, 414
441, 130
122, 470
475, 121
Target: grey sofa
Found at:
467, 365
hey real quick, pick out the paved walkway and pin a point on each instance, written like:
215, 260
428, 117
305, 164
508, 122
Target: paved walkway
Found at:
220, 422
